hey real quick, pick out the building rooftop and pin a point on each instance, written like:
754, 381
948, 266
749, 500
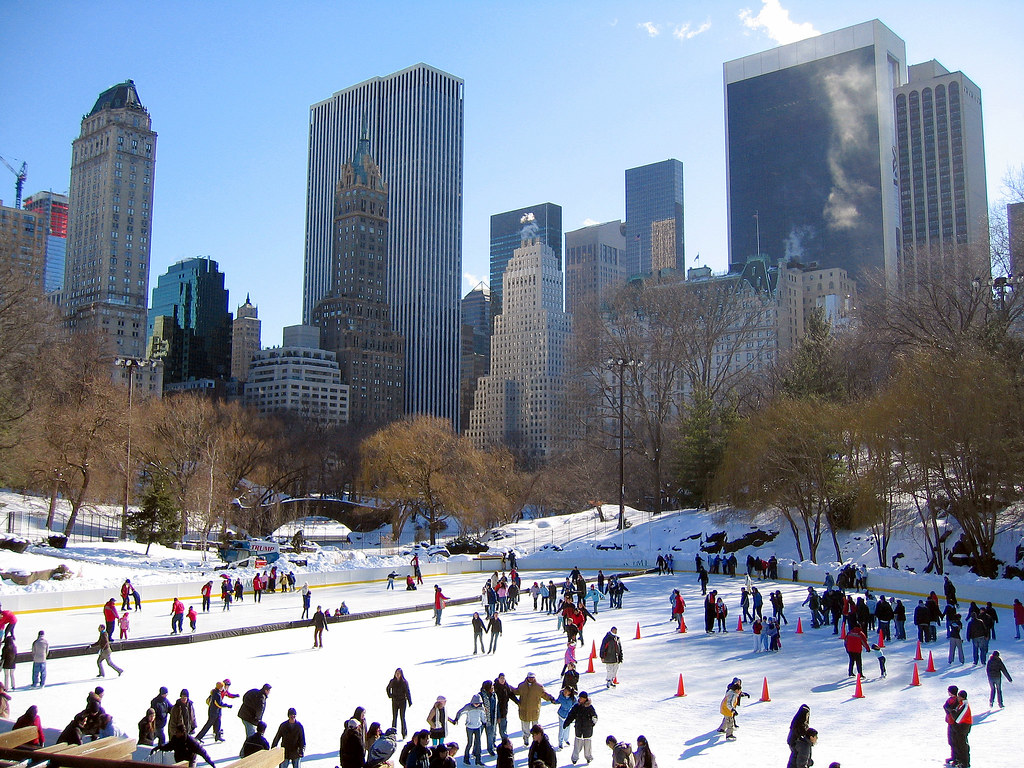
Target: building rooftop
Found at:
121, 96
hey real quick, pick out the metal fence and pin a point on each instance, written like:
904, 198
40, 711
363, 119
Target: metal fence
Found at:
90, 525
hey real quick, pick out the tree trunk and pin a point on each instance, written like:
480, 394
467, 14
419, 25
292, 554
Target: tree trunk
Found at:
76, 503
52, 511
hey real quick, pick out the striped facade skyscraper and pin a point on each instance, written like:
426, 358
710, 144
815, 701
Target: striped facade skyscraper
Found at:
414, 121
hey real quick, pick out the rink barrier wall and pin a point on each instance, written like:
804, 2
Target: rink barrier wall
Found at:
68, 651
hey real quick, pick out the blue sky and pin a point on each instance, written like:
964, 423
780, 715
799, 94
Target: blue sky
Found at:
561, 98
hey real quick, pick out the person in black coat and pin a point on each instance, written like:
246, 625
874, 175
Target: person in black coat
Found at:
292, 736
162, 706
541, 749
184, 747
571, 678
72, 733
398, 692
254, 704
416, 754
257, 742
801, 752
504, 692
584, 716
506, 754
351, 751
921, 619
995, 669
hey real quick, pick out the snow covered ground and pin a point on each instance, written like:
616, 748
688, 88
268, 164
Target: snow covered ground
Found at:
893, 723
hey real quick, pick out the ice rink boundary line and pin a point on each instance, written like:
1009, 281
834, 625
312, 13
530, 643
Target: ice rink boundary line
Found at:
68, 651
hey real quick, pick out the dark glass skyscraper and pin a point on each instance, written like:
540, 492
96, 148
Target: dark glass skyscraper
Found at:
189, 323
654, 218
507, 235
811, 150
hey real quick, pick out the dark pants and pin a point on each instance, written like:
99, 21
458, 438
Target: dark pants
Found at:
961, 749
398, 710
206, 602
855, 659
995, 689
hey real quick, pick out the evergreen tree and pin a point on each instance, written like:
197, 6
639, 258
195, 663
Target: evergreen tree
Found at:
814, 371
157, 519
701, 447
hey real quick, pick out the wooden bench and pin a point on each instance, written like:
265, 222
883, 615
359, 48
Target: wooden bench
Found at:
18, 737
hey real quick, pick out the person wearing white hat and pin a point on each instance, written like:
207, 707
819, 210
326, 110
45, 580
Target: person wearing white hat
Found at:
531, 694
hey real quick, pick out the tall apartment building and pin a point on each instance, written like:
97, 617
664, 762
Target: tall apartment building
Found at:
354, 317
941, 164
521, 402
506, 236
23, 242
298, 377
110, 207
810, 150
654, 218
189, 324
594, 263
53, 209
414, 120
476, 347
245, 340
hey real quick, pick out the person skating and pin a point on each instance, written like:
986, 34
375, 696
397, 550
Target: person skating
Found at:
307, 601
494, 629
439, 603
185, 748
540, 749
319, 625
192, 617
505, 693
506, 754
40, 651
205, 592
9, 657
398, 691
797, 729
437, 719
584, 717
254, 703
110, 616
611, 655
476, 719
856, 642
292, 736
478, 627
962, 721
177, 617
730, 702
995, 669
642, 755
257, 742
103, 644
215, 704
530, 694
566, 701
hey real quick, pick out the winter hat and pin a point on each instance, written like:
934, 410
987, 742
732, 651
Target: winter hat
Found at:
390, 731
163, 690
441, 699
530, 675
184, 692
291, 711
351, 723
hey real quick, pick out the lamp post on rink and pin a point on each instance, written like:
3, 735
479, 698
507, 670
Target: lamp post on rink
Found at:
622, 363
130, 364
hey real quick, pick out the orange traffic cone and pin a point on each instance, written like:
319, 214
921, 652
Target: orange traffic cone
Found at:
615, 680
799, 626
680, 691
590, 665
881, 639
593, 649
842, 631
931, 663
682, 625
918, 656
764, 691
637, 631
859, 693
739, 624
916, 680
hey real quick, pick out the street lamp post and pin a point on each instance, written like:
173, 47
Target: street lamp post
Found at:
131, 364
621, 364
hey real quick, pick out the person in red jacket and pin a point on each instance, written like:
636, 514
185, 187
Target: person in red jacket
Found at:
962, 721
949, 707
177, 617
856, 643
205, 592
1018, 615
439, 598
110, 616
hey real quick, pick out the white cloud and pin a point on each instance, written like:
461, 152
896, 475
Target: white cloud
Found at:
472, 280
687, 32
588, 222
774, 21
650, 27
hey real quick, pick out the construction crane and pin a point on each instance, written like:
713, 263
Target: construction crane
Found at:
19, 185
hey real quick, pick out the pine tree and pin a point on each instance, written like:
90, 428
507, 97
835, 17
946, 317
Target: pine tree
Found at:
701, 447
157, 519
814, 371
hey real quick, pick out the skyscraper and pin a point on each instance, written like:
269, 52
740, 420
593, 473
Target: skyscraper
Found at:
654, 218
414, 120
476, 346
354, 317
245, 340
189, 323
811, 148
23, 242
53, 209
506, 236
521, 402
110, 206
595, 259
941, 156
